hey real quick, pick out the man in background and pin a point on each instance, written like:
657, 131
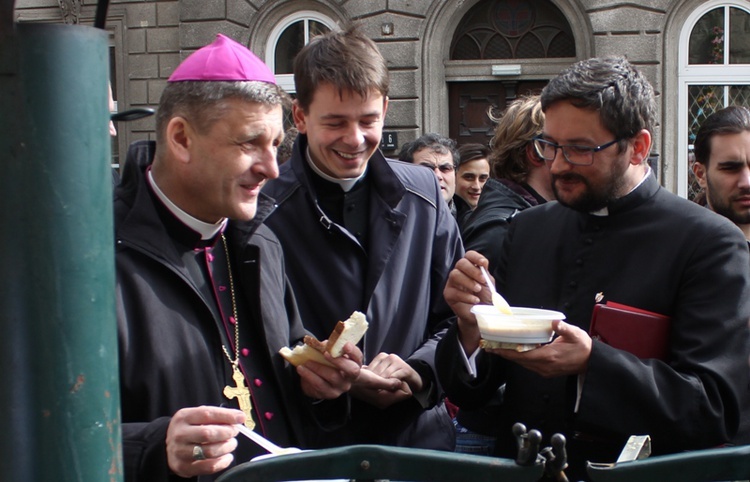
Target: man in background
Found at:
440, 155
722, 167
472, 173
722, 164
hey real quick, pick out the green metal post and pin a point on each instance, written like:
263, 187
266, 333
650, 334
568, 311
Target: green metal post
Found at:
59, 408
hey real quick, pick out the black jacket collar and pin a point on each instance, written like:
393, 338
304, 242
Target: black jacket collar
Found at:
636, 197
379, 173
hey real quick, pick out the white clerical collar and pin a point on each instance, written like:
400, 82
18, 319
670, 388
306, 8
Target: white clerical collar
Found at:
605, 211
206, 230
346, 184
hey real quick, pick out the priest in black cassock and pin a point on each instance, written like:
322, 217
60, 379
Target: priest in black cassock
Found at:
203, 302
614, 235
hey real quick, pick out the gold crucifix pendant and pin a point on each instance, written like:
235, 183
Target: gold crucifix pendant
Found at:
242, 394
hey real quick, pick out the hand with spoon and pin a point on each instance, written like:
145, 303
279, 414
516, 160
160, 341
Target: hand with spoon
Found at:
461, 292
497, 300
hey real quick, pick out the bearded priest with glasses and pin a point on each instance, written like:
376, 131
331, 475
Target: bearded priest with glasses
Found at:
614, 235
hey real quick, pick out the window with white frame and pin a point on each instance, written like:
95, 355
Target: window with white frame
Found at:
714, 72
287, 39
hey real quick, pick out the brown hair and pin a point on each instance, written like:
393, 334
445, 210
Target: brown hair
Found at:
472, 152
348, 60
516, 127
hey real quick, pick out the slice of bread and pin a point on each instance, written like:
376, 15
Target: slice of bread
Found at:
313, 342
302, 354
351, 330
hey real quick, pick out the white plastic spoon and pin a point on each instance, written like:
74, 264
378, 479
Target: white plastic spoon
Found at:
497, 300
265, 443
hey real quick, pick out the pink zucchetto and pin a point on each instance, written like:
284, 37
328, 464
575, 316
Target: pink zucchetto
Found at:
224, 59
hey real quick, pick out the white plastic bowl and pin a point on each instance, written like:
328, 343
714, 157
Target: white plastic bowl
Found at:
524, 326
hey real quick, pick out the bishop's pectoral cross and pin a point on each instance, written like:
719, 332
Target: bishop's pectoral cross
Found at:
242, 394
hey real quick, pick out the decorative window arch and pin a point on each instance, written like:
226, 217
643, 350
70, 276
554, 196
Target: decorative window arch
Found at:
499, 50
288, 37
500, 29
714, 72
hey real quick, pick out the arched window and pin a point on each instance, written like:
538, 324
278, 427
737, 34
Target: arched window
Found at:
500, 50
714, 64
287, 39
513, 30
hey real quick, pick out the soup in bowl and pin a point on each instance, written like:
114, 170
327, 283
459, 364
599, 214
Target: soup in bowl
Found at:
525, 326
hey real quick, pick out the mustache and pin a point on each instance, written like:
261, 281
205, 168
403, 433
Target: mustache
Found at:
743, 193
568, 176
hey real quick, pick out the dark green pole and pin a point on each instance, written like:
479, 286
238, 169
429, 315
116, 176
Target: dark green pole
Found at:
59, 405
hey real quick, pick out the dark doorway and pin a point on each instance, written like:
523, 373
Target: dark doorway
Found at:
470, 102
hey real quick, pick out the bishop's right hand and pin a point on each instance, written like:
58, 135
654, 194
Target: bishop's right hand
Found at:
201, 440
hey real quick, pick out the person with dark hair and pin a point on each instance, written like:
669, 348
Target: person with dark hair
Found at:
472, 173
722, 167
440, 155
366, 233
203, 304
722, 164
614, 235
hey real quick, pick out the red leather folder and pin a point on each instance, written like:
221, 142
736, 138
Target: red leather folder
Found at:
643, 333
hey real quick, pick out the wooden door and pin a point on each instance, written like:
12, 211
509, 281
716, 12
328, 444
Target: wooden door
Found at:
470, 102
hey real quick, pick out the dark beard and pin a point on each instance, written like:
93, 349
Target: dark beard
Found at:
742, 217
591, 199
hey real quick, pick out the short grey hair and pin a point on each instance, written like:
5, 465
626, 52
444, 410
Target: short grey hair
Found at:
433, 142
204, 102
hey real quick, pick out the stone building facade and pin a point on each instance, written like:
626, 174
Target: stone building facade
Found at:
450, 60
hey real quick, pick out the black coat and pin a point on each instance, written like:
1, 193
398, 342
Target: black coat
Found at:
396, 279
654, 251
484, 229
170, 333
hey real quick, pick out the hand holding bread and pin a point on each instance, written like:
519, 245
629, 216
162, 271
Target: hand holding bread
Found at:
351, 330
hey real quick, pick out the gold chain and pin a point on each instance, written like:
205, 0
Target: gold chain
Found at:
236, 360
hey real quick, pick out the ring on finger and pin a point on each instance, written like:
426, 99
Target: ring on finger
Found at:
198, 453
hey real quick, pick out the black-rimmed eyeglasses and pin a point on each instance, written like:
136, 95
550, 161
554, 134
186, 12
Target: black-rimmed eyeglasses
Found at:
577, 155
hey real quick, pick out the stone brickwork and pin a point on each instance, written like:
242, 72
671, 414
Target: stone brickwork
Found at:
151, 37
636, 32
